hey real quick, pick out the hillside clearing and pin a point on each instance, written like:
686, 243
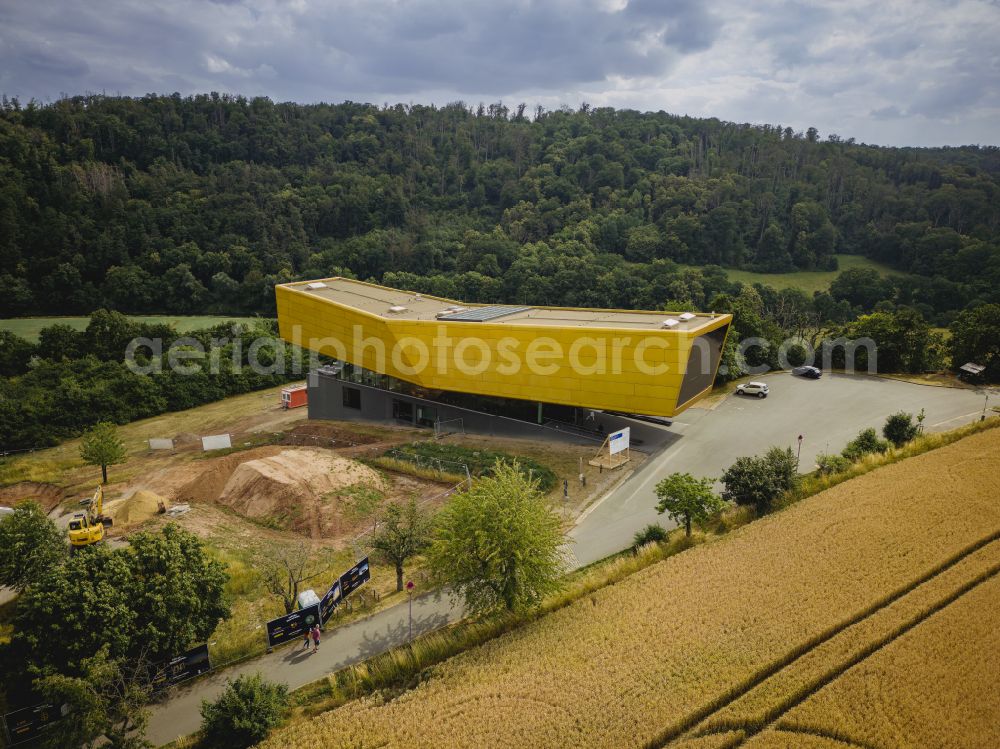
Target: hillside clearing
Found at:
810, 281
644, 662
30, 327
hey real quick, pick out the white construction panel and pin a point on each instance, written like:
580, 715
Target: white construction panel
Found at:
216, 442
619, 441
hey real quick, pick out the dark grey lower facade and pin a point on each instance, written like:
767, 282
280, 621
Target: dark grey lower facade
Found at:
331, 397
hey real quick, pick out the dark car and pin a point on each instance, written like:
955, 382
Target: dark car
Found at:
811, 372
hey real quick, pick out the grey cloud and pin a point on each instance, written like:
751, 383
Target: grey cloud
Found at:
888, 112
894, 45
690, 26
857, 68
790, 28
48, 59
375, 46
949, 98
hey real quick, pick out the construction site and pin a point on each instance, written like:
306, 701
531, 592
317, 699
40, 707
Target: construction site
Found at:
286, 484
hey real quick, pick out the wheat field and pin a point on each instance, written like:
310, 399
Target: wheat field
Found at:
935, 686
724, 644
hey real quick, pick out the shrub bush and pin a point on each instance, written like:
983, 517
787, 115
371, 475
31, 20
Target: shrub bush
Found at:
244, 713
652, 533
865, 443
899, 428
831, 463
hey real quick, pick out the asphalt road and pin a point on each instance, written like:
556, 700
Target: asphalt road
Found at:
180, 715
828, 413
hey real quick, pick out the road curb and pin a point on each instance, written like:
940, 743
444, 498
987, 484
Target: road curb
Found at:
613, 487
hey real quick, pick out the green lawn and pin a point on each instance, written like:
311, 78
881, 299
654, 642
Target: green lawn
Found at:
30, 327
809, 281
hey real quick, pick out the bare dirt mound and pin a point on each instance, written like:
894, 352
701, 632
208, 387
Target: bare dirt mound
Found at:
141, 506
46, 495
210, 476
289, 489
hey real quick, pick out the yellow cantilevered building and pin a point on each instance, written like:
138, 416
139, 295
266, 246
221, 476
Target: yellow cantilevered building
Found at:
496, 357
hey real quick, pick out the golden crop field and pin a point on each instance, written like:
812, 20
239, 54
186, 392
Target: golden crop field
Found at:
946, 669
717, 646
819, 665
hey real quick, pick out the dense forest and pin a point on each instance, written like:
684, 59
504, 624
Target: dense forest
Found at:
195, 205
69, 380
201, 204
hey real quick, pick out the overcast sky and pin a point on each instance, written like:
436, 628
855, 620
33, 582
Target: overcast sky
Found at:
918, 72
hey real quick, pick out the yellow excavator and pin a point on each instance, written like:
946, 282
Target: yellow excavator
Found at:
87, 528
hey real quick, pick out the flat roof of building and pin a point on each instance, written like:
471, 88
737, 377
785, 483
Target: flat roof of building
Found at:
394, 304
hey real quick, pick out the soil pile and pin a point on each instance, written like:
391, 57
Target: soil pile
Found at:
46, 495
291, 488
211, 480
139, 507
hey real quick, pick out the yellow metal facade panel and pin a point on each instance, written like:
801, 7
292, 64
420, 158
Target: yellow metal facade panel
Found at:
504, 360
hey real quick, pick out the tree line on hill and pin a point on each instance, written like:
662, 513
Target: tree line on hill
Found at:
196, 204
71, 380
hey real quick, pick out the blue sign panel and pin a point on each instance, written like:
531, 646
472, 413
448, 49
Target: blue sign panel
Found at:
291, 626
330, 601
355, 577
182, 667
25, 724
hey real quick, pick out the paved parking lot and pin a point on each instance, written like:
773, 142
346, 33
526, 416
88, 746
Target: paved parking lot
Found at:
826, 412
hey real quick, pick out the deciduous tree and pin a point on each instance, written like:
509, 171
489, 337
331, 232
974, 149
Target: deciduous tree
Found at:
759, 481
101, 446
105, 706
498, 543
151, 600
243, 714
286, 568
975, 337
900, 429
686, 499
404, 532
30, 546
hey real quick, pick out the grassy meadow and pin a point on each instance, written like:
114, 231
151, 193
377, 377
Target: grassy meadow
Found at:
809, 281
30, 327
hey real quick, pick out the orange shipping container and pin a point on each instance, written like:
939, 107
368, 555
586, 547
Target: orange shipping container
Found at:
294, 397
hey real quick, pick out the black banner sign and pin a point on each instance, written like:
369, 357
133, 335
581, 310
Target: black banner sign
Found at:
26, 723
330, 601
286, 628
355, 577
182, 667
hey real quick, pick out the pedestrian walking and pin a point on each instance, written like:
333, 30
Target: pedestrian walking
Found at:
315, 634
305, 639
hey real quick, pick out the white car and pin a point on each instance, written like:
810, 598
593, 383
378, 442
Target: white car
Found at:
753, 388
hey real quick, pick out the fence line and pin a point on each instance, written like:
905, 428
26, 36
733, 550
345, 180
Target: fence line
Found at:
440, 430
424, 461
